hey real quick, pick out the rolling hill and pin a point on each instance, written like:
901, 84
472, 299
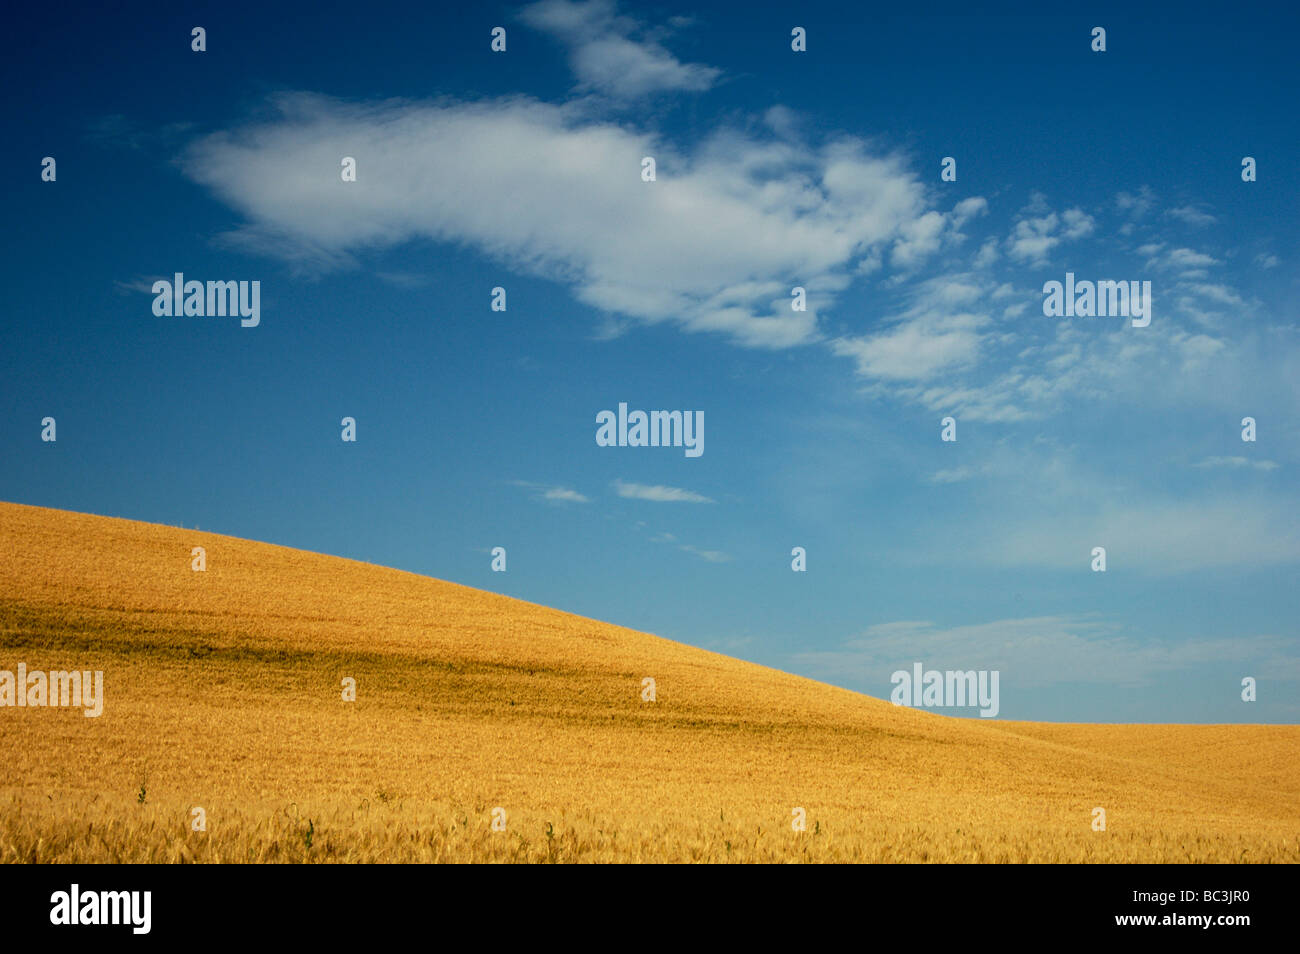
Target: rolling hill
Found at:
223, 704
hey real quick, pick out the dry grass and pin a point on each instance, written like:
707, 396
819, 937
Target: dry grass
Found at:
223, 691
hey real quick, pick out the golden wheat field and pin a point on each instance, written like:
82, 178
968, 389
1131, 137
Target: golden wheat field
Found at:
223, 692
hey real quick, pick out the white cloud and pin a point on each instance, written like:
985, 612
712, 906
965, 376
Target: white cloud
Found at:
1187, 258
917, 350
142, 284
919, 240
711, 556
1220, 294
988, 254
658, 493
1191, 263
1191, 215
1032, 238
1038, 230
606, 57
1021, 366
563, 494
936, 334
1077, 223
1137, 205
968, 209
552, 494
954, 475
923, 236
713, 245
1237, 462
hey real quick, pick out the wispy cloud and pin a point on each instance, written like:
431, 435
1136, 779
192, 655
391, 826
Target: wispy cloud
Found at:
922, 237
935, 334
1041, 651
563, 495
711, 556
551, 494
142, 284
1136, 204
616, 54
117, 130
1191, 215
955, 475
1156, 537
404, 279
1237, 462
658, 493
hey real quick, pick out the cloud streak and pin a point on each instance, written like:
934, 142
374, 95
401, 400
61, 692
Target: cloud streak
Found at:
658, 493
1043, 651
555, 495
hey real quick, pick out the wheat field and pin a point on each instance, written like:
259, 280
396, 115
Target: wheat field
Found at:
223, 692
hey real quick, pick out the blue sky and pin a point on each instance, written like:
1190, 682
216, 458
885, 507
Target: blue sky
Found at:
774, 169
